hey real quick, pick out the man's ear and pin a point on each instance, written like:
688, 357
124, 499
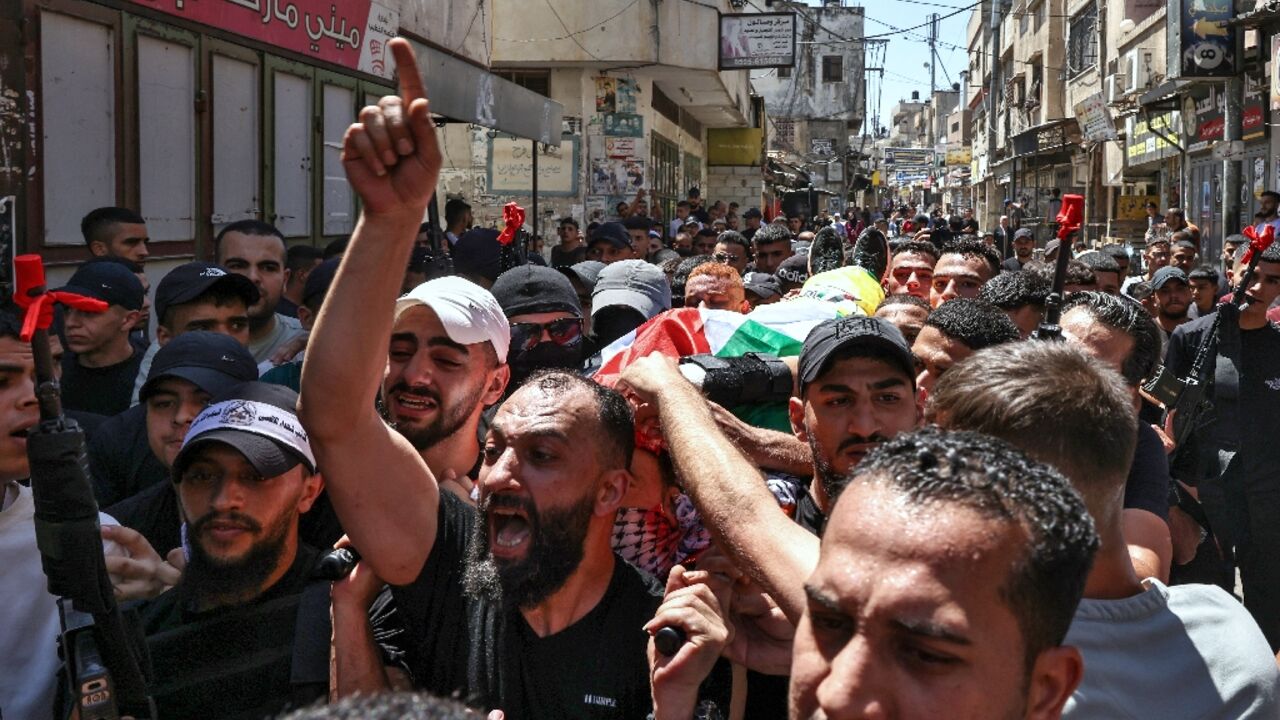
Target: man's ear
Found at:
497, 385
311, 486
1056, 674
613, 487
130, 320
163, 336
305, 317
97, 248
795, 412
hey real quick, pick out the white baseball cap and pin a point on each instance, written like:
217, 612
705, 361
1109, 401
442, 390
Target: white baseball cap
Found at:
470, 314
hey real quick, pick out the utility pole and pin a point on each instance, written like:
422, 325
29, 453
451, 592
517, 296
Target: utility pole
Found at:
933, 53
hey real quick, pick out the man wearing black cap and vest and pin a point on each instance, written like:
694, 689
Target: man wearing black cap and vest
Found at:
199, 296
613, 242
99, 368
1024, 242
242, 636
546, 321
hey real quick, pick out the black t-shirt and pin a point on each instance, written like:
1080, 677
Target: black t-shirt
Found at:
486, 653
808, 516
1147, 487
239, 662
561, 258
105, 391
1245, 395
120, 458
1012, 264
287, 307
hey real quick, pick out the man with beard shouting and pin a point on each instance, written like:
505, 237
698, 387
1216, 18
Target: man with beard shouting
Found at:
550, 621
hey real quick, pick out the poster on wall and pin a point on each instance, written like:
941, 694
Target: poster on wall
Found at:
611, 176
626, 90
757, 40
624, 147
624, 125
606, 95
510, 167
596, 209
1259, 176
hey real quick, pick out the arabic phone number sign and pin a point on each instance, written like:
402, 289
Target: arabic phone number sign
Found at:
351, 33
757, 40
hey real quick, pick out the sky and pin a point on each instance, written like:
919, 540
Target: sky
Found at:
906, 53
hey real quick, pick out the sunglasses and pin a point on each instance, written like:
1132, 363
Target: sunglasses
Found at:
526, 336
726, 258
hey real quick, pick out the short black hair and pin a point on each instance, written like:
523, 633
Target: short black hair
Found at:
976, 249
568, 220
302, 257
454, 210
770, 234
616, 427
931, 467
1099, 261
904, 299
95, 224
637, 222
707, 232
247, 227
920, 247
1116, 252
1140, 290
681, 276
733, 237
1077, 274
1205, 272
1018, 289
973, 323
1129, 318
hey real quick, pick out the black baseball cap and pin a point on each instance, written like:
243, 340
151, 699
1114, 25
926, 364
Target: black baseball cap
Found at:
191, 280
259, 421
1023, 233
535, 289
109, 282
752, 213
832, 336
613, 233
213, 362
762, 285
793, 272
1165, 274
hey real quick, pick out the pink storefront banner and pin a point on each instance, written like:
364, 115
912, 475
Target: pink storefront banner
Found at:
350, 33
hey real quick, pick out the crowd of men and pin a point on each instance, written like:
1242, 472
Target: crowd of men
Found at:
964, 520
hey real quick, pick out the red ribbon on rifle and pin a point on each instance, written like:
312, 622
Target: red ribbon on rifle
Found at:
1070, 216
37, 300
1258, 242
513, 216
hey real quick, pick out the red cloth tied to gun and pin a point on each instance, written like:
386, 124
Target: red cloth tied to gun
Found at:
1070, 216
513, 216
36, 301
1258, 242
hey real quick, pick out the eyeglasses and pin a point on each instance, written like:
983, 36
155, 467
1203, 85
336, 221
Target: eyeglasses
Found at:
526, 336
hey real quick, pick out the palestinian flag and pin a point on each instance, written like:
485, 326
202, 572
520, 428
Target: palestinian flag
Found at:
776, 329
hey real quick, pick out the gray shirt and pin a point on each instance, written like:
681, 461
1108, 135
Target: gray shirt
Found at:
1188, 651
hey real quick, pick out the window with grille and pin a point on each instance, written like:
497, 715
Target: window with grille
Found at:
1082, 40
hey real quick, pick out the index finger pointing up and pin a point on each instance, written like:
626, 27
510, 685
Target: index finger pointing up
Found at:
407, 70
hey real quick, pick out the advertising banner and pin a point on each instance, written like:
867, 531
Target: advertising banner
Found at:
757, 40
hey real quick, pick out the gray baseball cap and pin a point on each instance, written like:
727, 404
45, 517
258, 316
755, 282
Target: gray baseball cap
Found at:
633, 283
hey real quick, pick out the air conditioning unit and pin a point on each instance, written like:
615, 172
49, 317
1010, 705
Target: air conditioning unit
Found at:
1117, 85
1137, 66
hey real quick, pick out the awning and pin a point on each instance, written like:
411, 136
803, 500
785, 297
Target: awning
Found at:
1264, 14
463, 92
1052, 137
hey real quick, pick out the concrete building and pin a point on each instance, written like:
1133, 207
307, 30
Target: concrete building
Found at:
200, 114
816, 106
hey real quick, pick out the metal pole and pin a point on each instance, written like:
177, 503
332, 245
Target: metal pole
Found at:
1231, 132
536, 224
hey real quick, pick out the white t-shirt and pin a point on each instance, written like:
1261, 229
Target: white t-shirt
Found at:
1187, 651
30, 628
